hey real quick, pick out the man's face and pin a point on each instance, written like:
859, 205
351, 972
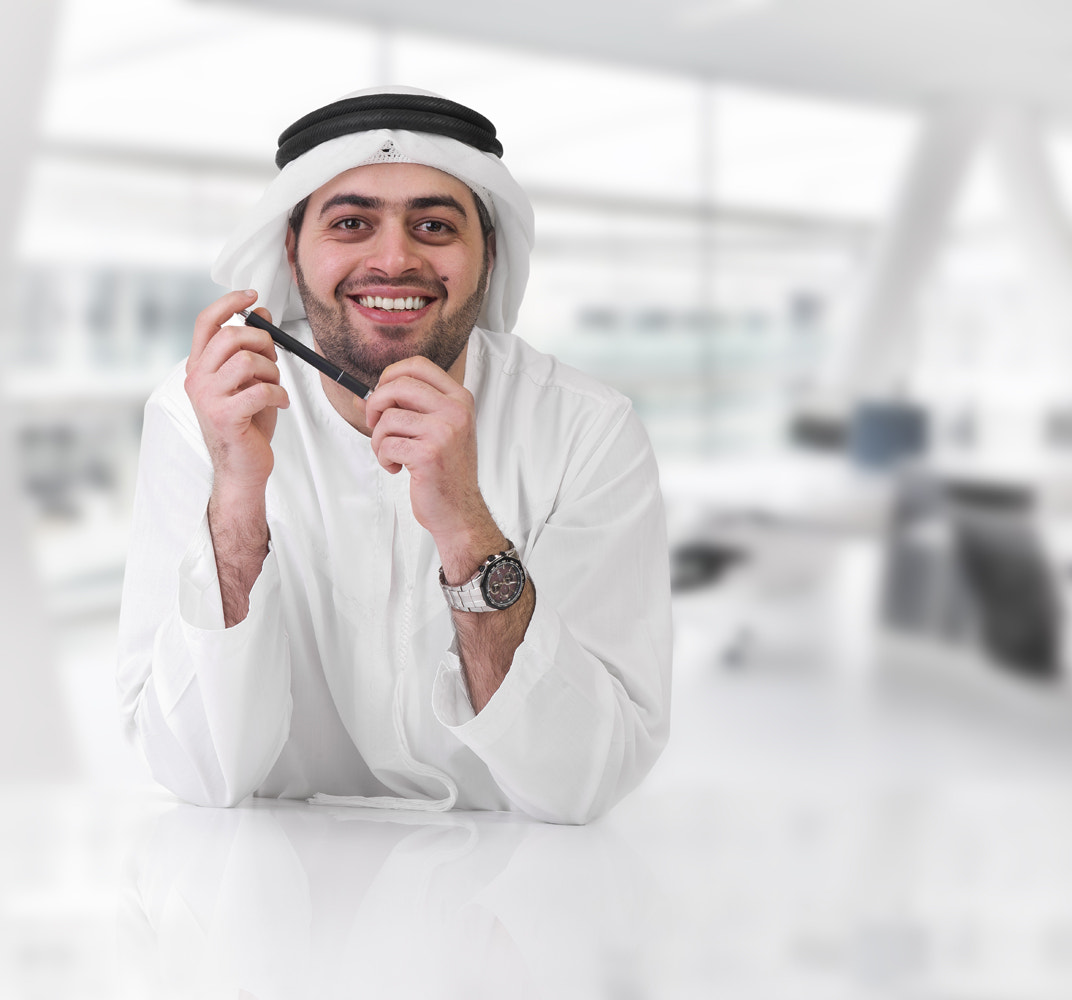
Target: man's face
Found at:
390, 263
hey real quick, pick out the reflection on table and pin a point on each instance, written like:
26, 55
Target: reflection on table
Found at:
692, 889
285, 900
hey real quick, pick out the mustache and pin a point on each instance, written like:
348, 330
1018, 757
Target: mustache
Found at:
356, 287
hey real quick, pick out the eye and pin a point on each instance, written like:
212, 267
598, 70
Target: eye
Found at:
435, 227
350, 223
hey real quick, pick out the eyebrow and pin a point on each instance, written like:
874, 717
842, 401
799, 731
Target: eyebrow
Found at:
379, 204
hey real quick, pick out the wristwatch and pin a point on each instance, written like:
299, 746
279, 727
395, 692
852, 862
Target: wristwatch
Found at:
496, 584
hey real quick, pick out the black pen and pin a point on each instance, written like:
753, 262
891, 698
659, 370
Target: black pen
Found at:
296, 347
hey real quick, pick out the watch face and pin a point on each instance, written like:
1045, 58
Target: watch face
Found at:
503, 582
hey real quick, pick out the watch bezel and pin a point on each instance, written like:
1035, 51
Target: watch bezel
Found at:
485, 577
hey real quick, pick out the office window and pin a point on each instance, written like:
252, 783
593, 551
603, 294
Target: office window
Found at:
695, 238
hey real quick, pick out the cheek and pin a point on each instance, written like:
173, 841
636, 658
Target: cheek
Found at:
460, 271
326, 266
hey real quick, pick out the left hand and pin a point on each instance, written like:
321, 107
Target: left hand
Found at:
422, 419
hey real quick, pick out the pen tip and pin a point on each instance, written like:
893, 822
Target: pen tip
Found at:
244, 313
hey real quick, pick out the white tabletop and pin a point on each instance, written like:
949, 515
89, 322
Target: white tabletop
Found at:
811, 831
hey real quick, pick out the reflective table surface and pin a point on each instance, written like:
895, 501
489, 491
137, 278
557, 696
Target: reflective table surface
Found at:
743, 894
821, 825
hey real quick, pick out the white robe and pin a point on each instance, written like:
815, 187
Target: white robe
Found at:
344, 677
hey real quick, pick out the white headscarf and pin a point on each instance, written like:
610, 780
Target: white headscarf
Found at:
255, 256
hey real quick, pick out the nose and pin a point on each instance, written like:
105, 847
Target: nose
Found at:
392, 251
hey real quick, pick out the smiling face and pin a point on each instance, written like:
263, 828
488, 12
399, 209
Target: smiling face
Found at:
390, 262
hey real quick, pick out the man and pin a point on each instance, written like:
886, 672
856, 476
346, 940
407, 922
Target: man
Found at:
452, 594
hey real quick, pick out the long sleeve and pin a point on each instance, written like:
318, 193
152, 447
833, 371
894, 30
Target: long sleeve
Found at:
584, 711
342, 681
210, 706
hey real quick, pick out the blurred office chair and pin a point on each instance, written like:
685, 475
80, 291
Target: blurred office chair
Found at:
966, 566
924, 593
1008, 575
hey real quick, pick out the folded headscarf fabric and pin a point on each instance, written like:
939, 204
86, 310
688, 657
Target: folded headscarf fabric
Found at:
369, 112
255, 255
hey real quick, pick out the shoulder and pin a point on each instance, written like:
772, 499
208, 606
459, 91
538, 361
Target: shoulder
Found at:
505, 372
545, 427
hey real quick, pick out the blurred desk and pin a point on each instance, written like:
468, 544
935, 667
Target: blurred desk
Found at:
820, 491
794, 544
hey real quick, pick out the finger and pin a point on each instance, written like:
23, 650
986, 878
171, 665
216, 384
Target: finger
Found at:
229, 341
210, 319
415, 383
246, 367
209, 390
257, 397
401, 424
406, 392
235, 410
424, 443
394, 452
419, 367
265, 314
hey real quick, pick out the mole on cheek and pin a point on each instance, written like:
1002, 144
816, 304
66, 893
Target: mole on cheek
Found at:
444, 278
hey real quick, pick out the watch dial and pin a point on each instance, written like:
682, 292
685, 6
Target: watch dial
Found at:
503, 583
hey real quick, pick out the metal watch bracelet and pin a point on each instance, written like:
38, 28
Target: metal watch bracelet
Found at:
469, 596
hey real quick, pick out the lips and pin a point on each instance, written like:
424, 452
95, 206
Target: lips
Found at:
388, 310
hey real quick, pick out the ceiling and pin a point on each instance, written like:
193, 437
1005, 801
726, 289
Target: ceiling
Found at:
902, 51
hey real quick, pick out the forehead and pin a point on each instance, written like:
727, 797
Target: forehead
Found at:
394, 182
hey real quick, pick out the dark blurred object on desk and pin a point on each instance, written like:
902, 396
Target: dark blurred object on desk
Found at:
818, 431
698, 564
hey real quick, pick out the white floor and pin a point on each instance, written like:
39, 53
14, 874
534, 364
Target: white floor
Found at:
837, 815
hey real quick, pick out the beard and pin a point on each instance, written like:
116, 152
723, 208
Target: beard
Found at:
343, 343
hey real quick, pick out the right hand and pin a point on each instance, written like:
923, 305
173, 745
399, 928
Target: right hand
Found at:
233, 382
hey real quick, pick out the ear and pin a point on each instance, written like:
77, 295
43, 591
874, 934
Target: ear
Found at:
292, 251
491, 259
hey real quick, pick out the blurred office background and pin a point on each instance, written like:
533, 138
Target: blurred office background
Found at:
823, 245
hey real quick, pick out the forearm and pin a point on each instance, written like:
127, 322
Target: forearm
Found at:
488, 640
487, 643
568, 732
239, 527
186, 683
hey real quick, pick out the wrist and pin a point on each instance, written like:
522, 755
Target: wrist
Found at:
498, 583
238, 515
236, 495
464, 553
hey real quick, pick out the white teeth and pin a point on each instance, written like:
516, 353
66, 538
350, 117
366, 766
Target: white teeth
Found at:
378, 302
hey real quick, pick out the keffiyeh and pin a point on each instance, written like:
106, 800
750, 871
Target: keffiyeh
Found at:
255, 255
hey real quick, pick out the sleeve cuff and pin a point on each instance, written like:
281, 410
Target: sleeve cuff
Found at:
199, 627
200, 604
450, 697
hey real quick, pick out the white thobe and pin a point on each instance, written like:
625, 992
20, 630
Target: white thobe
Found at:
344, 678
